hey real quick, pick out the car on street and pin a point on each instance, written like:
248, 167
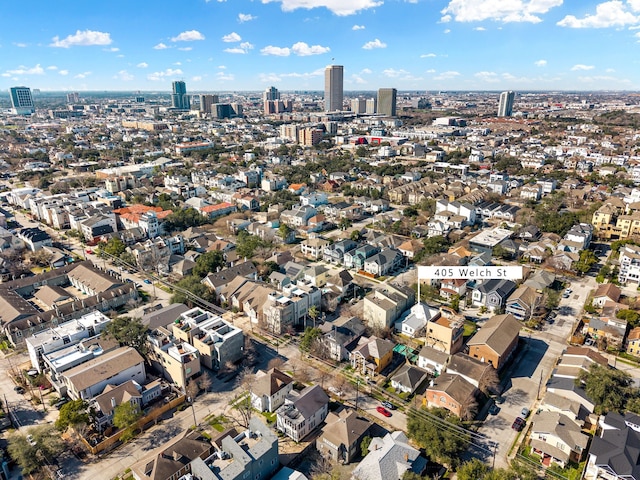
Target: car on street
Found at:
389, 405
518, 424
384, 411
89, 251
18, 389
147, 281
525, 412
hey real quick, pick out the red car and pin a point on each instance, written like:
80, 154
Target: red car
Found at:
89, 251
518, 424
383, 411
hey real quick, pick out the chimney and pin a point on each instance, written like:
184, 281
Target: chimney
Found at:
406, 457
113, 402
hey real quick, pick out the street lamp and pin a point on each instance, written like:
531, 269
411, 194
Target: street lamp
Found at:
357, 392
193, 410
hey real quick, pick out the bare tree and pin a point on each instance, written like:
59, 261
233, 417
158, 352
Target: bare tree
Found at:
276, 362
204, 382
321, 376
192, 389
490, 382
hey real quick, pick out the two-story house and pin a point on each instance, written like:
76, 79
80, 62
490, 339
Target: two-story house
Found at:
270, 389
302, 412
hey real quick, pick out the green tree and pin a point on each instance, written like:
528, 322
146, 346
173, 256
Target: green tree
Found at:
308, 338
437, 244
344, 223
439, 443
631, 316
71, 414
192, 284
607, 387
248, 244
364, 445
207, 263
473, 469
314, 313
31, 456
125, 416
356, 235
129, 332
283, 231
586, 261
114, 247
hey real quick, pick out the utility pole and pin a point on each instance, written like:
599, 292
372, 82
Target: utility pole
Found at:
539, 384
357, 392
193, 410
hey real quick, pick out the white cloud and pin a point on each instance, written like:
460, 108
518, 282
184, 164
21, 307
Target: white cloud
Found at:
608, 14
197, 78
222, 67
447, 75
82, 75
64, 73
22, 70
303, 50
366, 71
232, 37
124, 76
160, 46
242, 49
498, 10
245, 17
374, 44
428, 55
339, 7
540, 63
431, 70
185, 49
610, 70
142, 65
393, 73
277, 51
169, 72
20, 45
358, 27
269, 78
490, 77
52, 67
581, 68
177, 64
480, 29
112, 49
357, 79
188, 36
82, 38
447, 30
225, 77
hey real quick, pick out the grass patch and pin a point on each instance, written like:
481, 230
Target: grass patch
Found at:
218, 423
271, 417
469, 328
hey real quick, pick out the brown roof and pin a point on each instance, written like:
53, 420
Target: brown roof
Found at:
453, 385
170, 458
94, 279
634, 334
345, 427
51, 294
271, 382
120, 393
586, 352
608, 290
103, 367
497, 333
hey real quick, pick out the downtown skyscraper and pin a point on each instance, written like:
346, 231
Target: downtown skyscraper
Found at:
387, 101
333, 88
505, 106
21, 101
179, 98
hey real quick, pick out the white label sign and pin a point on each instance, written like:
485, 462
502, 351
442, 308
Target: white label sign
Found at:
470, 273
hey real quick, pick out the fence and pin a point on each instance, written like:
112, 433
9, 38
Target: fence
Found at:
110, 442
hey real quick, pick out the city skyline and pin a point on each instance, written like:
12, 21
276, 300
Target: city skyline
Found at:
219, 45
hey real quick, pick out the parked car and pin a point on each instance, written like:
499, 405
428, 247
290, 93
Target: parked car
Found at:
524, 412
389, 405
61, 402
89, 251
18, 389
147, 281
384, 411
494, 409
30, 440
518, 424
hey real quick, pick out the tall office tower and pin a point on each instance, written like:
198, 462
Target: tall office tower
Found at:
271, 93
372, 106
21, 101
206, 101
358, 105
505, 106
179, 98
387, 101
73, 97
333, 92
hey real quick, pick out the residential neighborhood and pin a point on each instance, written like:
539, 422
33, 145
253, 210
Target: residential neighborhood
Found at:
191, 296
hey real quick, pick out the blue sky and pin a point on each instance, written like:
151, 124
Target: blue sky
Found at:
222, 45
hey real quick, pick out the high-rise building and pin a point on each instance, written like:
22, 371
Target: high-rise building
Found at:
179, 98
372, 106
21, 101
333, 89
73, 97
271, 93
505, 106
206, 101
387, 101
358, 105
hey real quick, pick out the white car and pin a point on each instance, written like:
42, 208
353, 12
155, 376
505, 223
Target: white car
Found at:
30, 440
